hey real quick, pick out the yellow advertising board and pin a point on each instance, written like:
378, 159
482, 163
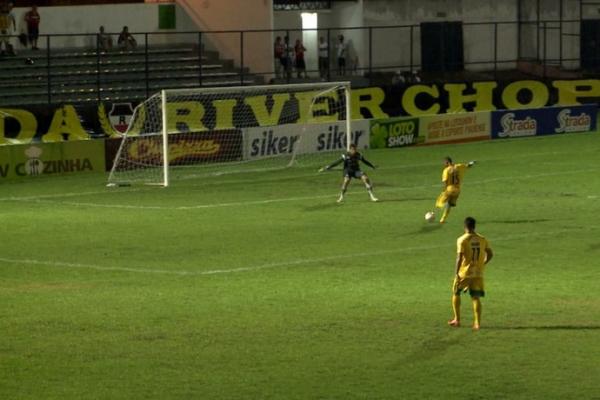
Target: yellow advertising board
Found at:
448, 128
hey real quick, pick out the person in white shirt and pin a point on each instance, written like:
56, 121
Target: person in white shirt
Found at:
342, 49
323, 58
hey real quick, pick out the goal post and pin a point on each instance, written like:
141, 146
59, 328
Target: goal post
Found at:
186, 133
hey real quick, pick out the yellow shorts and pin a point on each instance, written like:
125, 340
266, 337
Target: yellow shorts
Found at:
474, 285
447, 196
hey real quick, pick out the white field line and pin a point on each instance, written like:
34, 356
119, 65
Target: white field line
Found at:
59, 195
293, 199
275, 179
27, 261
289, 263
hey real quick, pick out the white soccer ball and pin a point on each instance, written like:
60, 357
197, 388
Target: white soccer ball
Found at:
430, 216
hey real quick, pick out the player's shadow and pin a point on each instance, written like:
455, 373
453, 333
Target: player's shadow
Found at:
545, 328
323, 206
520, 221
430, 228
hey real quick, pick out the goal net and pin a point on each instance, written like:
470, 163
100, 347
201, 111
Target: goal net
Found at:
180, 134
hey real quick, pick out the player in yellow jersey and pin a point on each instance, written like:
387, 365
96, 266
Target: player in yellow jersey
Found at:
452, 178
473, 253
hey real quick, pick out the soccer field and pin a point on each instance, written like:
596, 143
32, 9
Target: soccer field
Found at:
260, 286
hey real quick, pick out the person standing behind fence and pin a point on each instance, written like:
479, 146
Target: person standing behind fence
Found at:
105, 41
299, 50
126, 41
7, 20
32, 18
278, 50
323, 58
287, 57
342, 49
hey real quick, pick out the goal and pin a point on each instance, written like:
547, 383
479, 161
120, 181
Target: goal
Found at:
187, 133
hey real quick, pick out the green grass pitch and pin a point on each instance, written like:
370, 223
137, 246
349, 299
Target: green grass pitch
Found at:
260, 286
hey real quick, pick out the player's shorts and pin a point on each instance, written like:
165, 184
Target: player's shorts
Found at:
350, 173
474, 285
450, 197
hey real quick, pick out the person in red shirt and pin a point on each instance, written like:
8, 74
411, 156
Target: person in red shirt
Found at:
32, 17
300, 64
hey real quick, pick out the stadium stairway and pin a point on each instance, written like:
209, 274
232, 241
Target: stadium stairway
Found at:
74, 76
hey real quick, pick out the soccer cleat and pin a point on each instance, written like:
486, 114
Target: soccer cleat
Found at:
341, 198
375, 199
476, 327
454, 323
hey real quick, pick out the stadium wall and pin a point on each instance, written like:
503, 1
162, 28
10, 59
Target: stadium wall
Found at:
391, 45
78, 20
191, 16
217, 15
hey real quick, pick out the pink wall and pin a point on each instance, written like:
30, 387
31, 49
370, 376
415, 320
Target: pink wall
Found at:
219, 15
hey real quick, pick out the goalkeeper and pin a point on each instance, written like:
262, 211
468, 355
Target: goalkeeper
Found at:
352, 169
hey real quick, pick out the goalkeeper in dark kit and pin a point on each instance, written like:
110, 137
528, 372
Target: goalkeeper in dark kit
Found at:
352, 169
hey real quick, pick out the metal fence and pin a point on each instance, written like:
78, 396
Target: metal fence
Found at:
80, 66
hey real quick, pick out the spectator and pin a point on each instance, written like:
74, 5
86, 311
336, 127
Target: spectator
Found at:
323, 58
105, 42
278, 50
32, 18
7, 26
299, 50
342, 49
287, 57
126, 40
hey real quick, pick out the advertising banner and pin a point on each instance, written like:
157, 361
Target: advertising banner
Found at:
543, 121
184, 148
394, 132
303, 139
67, 122
451, 128
21, 161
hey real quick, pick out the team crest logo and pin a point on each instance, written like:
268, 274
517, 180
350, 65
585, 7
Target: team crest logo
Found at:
120, 116
34, 166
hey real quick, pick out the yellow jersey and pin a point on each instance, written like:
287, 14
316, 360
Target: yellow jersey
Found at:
473, 248
453, 175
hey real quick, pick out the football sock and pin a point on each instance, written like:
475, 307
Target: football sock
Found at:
476, 311
369, 188
446, 212
456, 306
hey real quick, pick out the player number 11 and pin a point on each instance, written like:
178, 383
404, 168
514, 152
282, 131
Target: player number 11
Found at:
476, 252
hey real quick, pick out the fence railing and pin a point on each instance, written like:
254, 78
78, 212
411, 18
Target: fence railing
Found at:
81, 68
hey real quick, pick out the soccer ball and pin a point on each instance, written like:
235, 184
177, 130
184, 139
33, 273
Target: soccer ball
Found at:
430, 216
